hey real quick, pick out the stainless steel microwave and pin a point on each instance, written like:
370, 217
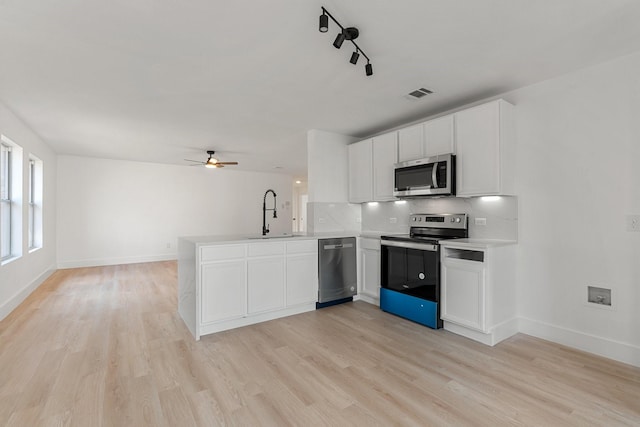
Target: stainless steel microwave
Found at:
431, 176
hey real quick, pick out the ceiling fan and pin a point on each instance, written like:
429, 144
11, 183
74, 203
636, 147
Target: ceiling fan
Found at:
212, 162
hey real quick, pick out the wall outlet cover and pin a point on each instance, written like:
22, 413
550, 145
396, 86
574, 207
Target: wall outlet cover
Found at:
598, 295
481, 221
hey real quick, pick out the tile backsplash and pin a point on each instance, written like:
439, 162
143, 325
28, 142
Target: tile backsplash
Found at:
489, 217
333, 217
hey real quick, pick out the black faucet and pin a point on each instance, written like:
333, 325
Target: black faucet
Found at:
265, 227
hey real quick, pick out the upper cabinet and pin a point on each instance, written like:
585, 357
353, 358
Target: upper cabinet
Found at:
371, 165
485, 143
439, 136
361, 171
427, 139
385, 156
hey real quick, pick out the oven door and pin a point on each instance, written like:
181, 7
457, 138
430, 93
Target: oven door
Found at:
411, 268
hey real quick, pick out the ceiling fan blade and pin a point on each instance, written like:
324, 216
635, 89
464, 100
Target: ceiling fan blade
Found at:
227, 163
195, 161
199, 164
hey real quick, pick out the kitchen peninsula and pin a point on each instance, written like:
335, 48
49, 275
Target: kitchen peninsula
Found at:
226, 282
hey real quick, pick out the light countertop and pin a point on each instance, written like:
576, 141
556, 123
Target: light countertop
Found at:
240, 239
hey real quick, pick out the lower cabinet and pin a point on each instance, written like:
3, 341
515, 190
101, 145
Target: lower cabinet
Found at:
302, 278
478, 294
224, 293
265, 284
241, 284
370, 269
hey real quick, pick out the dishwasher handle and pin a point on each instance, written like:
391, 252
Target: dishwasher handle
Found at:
337, 246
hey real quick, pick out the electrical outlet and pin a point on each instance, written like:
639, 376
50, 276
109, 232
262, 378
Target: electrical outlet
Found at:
393, 220
481, 221
633, 222
598, 295
321, 220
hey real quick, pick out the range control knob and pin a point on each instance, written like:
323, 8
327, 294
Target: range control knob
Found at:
452, 219
457, 219
414, 219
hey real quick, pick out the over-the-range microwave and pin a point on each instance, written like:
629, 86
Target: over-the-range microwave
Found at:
431, 176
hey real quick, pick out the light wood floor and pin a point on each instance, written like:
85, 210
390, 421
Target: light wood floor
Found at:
105, 346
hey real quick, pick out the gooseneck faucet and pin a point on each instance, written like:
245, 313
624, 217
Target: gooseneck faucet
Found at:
265, 227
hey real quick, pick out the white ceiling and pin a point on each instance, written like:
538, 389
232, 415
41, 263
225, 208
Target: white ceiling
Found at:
164, 80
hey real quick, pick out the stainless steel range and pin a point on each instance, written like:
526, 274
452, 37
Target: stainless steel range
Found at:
410, 267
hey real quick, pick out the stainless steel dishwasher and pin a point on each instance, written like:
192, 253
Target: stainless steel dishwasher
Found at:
337, 271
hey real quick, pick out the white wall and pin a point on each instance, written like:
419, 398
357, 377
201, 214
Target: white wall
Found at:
112, 211
328, 166
578, 177
20, 277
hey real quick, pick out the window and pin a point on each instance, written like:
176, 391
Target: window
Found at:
5, 202
10, 200
35, 203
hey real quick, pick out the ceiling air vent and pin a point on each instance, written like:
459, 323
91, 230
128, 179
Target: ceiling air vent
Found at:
419, 93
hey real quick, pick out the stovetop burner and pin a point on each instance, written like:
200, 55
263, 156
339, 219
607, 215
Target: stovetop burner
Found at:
431, 228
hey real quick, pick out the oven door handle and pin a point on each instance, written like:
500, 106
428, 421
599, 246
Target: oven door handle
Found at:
410, 245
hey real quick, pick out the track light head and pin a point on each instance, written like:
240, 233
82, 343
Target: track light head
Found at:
324, 23
368, 69
354, 57
340, 38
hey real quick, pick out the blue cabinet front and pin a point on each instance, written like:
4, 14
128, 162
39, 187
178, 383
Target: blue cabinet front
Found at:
416, 309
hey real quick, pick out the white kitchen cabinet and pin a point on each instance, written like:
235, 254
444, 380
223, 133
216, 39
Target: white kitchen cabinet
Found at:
223, 286
485, 144
463, 292
360, 171
224, 292
265, 284
385, 156
478, 290
411, 143
302, 272
370, 269
439, 136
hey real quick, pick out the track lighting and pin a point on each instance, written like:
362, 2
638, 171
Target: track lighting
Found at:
324, 23
349, 34
354, 57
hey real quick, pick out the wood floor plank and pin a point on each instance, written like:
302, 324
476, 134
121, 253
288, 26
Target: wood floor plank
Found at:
105, 347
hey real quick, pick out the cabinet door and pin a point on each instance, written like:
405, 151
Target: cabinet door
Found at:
439, 136
478, 148
265, 284
360, 172
411, 143
385, 156
302, 279
223, 290
463, 294
370, 260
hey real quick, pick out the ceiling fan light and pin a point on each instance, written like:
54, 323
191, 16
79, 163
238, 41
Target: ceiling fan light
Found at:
210, 165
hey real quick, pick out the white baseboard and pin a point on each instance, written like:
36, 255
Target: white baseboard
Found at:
99, 262
367, 298
498, 333
22, 294
622, 352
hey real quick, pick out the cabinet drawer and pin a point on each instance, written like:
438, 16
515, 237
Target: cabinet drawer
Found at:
412, 308
265, 249
221, 252
302, 247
